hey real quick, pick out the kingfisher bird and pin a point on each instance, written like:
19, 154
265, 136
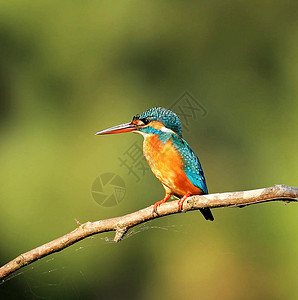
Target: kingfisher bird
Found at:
169, 156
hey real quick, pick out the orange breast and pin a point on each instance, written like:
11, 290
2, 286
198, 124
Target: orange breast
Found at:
166, 164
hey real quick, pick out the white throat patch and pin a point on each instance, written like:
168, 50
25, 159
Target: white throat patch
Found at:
164, 129
142, 133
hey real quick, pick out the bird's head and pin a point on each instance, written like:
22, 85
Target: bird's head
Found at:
152, 121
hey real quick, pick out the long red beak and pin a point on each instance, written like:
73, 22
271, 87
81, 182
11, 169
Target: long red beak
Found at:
127, 127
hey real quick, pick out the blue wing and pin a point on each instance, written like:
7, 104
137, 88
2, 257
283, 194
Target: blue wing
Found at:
192, 165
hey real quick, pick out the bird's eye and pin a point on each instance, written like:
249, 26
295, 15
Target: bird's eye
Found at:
145, 121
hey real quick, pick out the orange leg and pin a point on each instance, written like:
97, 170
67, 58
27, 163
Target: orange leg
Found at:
180, 202
166, 198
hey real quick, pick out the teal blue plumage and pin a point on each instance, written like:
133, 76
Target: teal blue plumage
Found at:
192, 165
168, 118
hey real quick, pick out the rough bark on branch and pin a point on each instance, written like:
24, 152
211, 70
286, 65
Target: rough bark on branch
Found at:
122, 224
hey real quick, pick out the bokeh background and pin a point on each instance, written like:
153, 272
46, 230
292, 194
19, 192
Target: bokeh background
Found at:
71, 68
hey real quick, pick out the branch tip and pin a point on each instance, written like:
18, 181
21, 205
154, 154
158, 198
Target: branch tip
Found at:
78, 222
120, 233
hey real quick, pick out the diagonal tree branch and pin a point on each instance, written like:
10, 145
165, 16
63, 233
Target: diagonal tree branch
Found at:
122, 224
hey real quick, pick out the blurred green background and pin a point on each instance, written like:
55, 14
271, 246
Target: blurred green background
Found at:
71, 68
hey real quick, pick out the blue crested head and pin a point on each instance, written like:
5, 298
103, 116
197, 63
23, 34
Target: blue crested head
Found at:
168, 118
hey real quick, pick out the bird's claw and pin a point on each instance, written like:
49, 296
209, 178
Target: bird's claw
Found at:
155, 206
180, 202
180, 205
167, 196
